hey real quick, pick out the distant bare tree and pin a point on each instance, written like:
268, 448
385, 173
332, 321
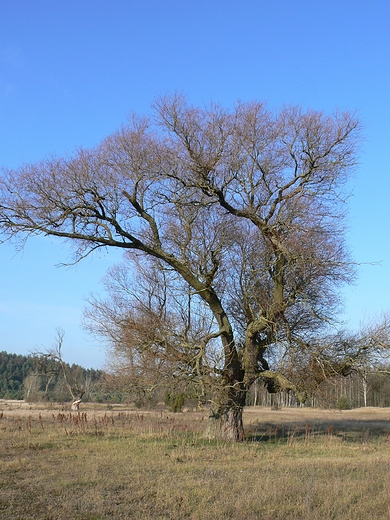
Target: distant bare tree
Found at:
242, 213
31, 385
55, 354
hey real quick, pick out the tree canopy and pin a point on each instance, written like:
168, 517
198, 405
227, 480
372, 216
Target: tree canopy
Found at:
234, 223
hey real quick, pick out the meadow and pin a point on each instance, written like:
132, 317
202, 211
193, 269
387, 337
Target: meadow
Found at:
114, 462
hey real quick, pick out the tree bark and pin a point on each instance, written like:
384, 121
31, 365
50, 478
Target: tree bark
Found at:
227, 426
232, 428
225, 422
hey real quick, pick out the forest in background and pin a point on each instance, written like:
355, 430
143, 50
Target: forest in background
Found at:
34, 378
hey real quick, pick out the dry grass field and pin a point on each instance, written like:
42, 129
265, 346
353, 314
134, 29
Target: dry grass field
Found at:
120, 463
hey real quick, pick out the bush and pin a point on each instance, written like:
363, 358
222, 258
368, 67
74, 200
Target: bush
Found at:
174, 401
343, 403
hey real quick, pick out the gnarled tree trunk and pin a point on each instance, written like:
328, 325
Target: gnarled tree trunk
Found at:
225, 422
231, 425
226, 425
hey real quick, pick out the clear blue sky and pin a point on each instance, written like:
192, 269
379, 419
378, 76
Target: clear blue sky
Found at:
72, 70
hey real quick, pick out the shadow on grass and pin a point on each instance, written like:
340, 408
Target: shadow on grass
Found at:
345, 429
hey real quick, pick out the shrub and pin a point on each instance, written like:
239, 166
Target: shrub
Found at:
343, 403
174, 401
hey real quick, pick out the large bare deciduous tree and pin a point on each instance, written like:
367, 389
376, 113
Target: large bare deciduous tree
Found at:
236, 218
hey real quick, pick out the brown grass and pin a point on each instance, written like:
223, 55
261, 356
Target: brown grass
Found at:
119, 463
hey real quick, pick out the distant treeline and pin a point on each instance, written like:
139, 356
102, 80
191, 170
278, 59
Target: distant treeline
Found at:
36, 378
369, 387
14, 369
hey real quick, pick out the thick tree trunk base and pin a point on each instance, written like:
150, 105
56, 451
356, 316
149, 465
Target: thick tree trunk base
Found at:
227, 425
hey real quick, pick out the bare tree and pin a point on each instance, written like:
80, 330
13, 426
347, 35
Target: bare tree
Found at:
339, 354
160, 333
74, 388
243, 208
31, 385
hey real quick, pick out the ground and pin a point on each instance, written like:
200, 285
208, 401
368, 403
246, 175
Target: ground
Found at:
113, 462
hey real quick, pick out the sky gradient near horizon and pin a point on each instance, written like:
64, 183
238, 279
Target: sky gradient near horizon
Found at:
71, 72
